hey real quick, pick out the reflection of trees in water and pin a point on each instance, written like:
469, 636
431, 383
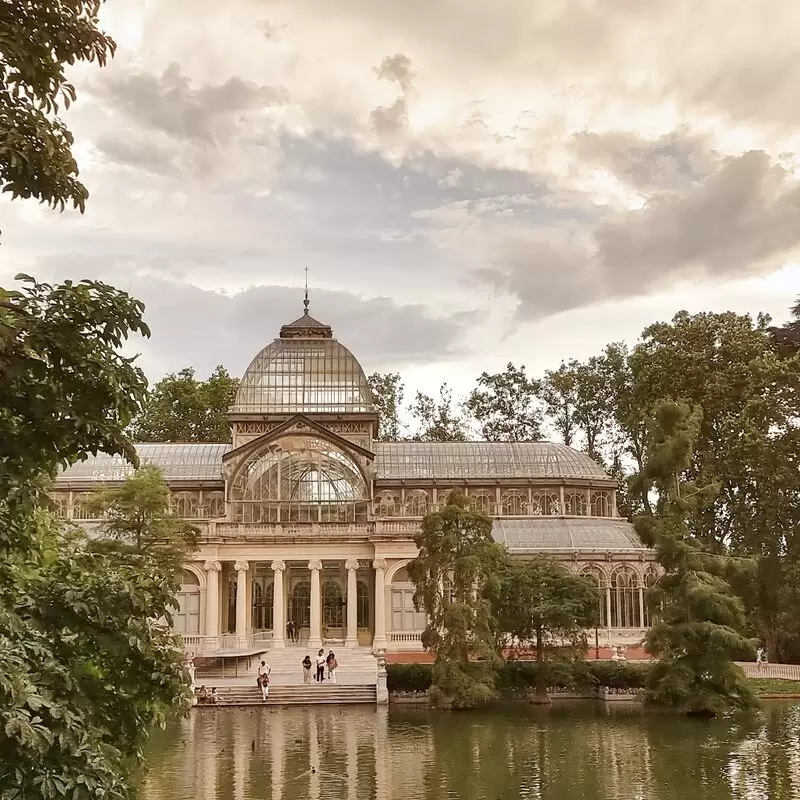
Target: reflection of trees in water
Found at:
588, 751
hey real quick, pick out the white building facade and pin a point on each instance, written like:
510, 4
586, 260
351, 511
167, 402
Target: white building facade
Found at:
307, 517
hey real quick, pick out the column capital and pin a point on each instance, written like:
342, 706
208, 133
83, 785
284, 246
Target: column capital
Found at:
278, 566
351, 564
315, 564
379, 563
241, 566
212, 566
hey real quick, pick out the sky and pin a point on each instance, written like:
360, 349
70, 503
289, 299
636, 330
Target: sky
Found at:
469, 183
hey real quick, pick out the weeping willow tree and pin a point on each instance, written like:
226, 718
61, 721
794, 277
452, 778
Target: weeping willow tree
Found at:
698, 620
457, 559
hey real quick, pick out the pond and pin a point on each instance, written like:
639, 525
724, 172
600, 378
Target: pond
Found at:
571, 751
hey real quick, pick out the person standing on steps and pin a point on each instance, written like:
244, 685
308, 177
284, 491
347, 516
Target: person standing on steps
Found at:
330, 663
291, 631
307, 669
263, 679
320, 666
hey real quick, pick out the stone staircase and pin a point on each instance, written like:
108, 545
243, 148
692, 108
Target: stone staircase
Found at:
316, 694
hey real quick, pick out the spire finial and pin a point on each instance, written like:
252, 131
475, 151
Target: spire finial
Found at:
305, 300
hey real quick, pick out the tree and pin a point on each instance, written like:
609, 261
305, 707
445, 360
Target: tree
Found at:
787, 337
457, 559
387, 397
438, 420
593, 402
558, 391
505, 406
182, 409
698, 619
542, 603
84, 672
37, 41
137, 514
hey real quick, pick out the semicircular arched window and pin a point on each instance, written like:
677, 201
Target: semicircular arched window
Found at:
299, 479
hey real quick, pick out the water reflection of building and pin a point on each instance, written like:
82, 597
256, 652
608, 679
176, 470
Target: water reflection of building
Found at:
307, 516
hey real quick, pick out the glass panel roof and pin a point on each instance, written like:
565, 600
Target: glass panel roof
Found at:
304, 376
427, 460
536, 534
178, 462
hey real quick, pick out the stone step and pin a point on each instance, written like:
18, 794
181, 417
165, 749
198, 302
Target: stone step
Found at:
296, 695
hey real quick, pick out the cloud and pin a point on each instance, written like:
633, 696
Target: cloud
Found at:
397, 68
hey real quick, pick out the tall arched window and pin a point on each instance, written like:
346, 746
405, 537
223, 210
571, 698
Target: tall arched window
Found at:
417, 502
332, 605
598, 576
625, 599
575, 503
513, 503
299, 479
185, 505
263, 597
61, 504
80, 507
187, 617
301, 605
650, 579
213, 505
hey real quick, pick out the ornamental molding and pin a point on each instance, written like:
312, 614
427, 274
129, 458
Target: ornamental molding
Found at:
315, 565
278, 566
351, 564
379, 563
241, 566
212, 566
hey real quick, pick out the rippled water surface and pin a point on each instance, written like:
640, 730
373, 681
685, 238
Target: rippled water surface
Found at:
576, 751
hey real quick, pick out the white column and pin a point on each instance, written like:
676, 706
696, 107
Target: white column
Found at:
641, 607
351, 565
562, 501
241, 568
278, 624
379, 642
613, 502
588, 502
212, 569
315, 632
608, 613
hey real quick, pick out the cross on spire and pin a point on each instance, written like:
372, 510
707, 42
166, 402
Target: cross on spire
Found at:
305, 299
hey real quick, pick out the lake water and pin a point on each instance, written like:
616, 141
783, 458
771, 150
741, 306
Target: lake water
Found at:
571, 751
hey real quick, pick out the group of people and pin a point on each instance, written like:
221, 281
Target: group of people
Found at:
204, 697
325, 667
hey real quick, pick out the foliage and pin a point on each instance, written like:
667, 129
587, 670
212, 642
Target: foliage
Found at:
37, 41
593, 402
137, 514
542, 603
558, 391
438, 420
505, 406
409, 677
787, 337
181, 408
387, 397
698, 619
85, 672
457, 559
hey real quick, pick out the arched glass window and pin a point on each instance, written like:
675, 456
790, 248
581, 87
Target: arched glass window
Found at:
650, 579
332, 605
301, 605
546, 503
575, 503
263, 597
482, 501
417, 502
625, 599
514, 503
60, 504
80, 507
598, 576
601, 503
213, 505
299, 479
362, 605
185, 505
388, 504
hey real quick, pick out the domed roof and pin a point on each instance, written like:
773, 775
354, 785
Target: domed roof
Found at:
304, 371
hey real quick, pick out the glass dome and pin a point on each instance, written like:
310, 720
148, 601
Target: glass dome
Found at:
305, 371
301, 479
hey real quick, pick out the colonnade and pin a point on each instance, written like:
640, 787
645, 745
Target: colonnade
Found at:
212, 604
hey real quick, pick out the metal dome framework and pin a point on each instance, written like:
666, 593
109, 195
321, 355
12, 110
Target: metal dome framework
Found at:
304, 376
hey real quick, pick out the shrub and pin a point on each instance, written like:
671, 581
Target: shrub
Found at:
618, 674
409, 677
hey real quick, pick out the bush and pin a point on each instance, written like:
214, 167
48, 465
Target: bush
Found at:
409, 677
618, 674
